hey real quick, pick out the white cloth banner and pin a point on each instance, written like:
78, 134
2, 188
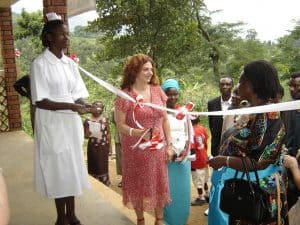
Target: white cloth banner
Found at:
284, 106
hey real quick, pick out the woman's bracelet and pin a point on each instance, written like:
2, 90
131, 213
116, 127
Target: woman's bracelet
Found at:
130, 131
227, 161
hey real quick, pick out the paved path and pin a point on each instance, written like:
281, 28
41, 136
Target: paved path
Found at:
196, 212
97, 206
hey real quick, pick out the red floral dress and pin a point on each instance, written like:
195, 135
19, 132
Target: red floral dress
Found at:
145, 177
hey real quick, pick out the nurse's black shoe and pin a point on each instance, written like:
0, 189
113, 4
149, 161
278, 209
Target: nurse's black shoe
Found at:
61, 223
77, 222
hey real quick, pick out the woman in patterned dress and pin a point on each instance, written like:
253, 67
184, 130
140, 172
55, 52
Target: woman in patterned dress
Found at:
145, 177
96, 129
258, 137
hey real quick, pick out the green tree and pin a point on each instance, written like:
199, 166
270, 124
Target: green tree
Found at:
243, 51
289, 54
152, 27
177, 34
83, 31
27, 31
28, 24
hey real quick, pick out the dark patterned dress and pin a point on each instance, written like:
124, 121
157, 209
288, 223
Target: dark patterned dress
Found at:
98, 148
260, 138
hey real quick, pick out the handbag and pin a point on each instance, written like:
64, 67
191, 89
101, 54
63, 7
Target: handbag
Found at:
245, 200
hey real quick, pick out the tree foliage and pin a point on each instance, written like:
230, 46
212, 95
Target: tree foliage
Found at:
27, 30
28, 24
290, 50
152, 27
177, 34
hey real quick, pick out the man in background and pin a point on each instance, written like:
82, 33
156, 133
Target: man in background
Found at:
293, 136
219, 103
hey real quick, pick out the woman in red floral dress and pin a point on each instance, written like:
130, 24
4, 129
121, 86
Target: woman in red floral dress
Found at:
145, 178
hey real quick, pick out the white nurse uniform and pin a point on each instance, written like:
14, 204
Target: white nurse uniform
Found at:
60, 170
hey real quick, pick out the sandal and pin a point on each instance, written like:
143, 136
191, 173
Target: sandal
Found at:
157, 220
62, 222
57, 223
77, 222
120, 184
141, 220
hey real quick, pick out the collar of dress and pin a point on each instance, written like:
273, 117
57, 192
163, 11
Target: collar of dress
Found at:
53, 59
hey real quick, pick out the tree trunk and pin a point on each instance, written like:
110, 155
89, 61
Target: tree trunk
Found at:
214, 55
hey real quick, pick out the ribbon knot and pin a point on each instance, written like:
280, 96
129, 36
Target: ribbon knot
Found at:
155, 143
138, 104
74, 57
183, 110
139, 99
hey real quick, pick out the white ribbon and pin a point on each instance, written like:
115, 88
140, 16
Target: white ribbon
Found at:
140, 140
108, 86
284, 106
139, 100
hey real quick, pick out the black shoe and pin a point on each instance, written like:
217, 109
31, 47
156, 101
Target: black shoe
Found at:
206, 198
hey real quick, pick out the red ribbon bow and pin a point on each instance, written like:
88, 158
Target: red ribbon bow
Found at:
155, 143
74, 57
182, 110
17, 53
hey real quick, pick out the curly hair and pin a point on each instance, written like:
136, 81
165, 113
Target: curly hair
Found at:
48, 28
264, 79
133, 66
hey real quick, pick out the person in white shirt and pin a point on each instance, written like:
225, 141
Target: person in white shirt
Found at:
177, 212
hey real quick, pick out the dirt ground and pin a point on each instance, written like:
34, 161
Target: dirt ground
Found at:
196, 217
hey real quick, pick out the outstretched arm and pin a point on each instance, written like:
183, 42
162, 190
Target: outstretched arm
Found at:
292, 164
52, 105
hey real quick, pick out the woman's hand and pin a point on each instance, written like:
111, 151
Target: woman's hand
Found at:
110, 151
217, 162
87, 134
184, 153
139, 133
148, 135
81, 109
170, 153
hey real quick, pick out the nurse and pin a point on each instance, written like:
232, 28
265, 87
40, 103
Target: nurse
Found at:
57, 91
